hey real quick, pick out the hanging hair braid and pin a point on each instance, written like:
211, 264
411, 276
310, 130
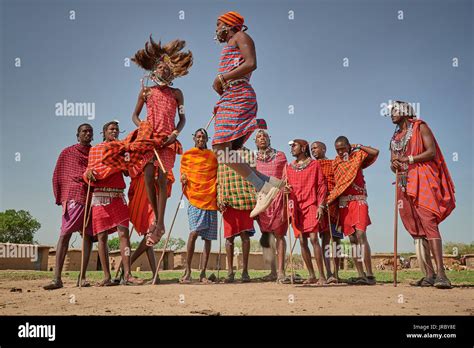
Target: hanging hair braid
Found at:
153, 53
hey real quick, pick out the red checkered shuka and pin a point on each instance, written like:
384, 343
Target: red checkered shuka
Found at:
68, 184
128, 154
345, 171
429, 183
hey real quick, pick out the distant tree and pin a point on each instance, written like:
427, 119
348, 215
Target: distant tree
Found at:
458, 249
17, 227
254, 245
173, 244
114, 243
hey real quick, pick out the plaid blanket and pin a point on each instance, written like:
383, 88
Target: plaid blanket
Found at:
233, 190
345, 172
67, 177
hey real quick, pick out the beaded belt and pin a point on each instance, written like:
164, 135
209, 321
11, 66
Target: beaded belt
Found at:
236, 82
105, 195
344, 200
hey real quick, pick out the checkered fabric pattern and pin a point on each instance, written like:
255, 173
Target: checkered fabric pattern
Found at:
203, 221
233, 190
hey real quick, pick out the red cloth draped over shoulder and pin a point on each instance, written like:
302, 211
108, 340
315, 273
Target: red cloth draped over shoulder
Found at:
328, 173
68, 184
128, 153
105, 176
429, 183
345, 171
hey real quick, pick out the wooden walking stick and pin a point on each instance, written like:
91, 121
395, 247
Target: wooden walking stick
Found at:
159, 161
121, 261
209, 123
289, 238
85, 223
332, 247
219, 254
395, 232
292, 249
167, 240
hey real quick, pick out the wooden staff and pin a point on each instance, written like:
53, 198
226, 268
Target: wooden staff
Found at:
209, 123
121, 261
289, 238
159, 161
220, 246
395, 231
85, 222
332, 246
167, 240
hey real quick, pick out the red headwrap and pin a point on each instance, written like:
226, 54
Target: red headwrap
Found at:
233, 19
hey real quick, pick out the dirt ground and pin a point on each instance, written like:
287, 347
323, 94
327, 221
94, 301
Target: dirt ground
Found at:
232, 299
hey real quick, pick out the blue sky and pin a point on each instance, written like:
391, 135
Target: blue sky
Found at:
300, 64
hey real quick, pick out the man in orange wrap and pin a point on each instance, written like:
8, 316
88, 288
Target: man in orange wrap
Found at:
199, 179
425, 190
351, 195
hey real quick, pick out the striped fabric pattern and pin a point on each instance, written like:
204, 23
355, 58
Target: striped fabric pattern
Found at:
236, 110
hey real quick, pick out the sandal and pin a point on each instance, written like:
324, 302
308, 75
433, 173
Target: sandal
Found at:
442, 283
106, 282
284, 280
371, 280
183, 280
131, 280
362, 281
55, 284
84, 284
152, 238
332, 280
269, 278
230, 278
310, 281
321, 282
424, 282
245, 278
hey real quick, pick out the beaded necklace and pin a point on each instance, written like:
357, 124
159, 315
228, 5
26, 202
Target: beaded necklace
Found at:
300, 166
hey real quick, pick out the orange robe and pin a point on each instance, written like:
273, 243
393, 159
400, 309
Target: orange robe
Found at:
200, 168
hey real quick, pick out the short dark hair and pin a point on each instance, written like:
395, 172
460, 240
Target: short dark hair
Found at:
320, 143
82, 125
203, 131
342, 139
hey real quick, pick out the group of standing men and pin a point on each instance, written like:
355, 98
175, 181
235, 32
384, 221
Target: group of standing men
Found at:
321, 199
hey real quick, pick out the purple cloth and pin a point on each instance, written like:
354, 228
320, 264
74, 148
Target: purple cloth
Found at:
73, 219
